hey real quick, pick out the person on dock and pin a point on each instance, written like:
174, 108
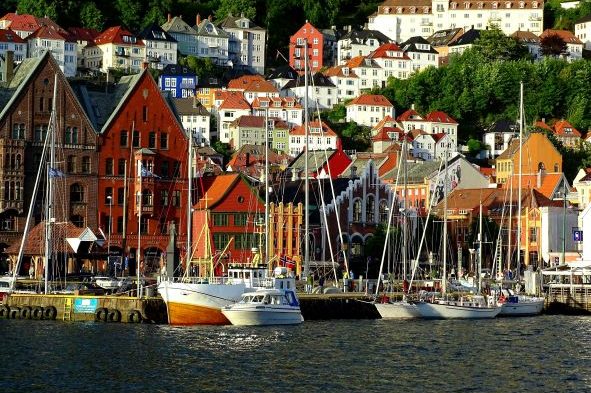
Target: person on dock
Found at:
309, 284
321, 284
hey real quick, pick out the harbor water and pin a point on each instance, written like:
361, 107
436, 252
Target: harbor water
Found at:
538, 354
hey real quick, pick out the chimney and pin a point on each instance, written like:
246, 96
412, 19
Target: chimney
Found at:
198, 19
9, 66
169, 17
412, 106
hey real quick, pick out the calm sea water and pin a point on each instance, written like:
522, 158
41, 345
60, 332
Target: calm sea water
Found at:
539, 354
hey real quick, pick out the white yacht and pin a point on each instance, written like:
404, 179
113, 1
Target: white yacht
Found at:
397, 310
474, 307
274, 306
513, 305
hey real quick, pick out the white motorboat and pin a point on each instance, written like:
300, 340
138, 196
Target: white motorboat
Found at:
519, 305
475, 307
265, 307
397, 310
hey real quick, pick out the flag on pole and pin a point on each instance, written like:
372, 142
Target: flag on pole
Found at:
53, 172
145, 172
287, 262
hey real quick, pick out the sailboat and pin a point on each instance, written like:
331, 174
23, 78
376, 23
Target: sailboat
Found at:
398, 309
473, 307
518, 304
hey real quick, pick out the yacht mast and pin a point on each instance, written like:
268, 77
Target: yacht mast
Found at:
518, 273
139, 227
404, 211
51, 173
444, 278
189, 198
480, 249
306, 170
266, 254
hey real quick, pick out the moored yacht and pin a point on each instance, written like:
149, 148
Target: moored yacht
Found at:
475, 307
519, 305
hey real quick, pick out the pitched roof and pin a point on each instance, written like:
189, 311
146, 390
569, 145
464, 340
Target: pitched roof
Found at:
548, 182
175, 69
410, 115
233, 100
338, 71
443, 37
271, 103
542, 125
371, 99
526, 37
412, 45
190, 105
233, 22
301, 130
36, 239
584, 19
155, 33
207, 28
283, 72
468, 38
242, 82
178, 25
316, 160
567, 36
250, 159
503, 125
360, 36
48, 34
115, 34
564, 128
317, 80
440, 117
83, 34
8, 35
383, 52
218, 188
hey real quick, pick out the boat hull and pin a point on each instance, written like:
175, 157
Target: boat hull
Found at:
198, 304
445, 310
398, 310
261, 315
522, 308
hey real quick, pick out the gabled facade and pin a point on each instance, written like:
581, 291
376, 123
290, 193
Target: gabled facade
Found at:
566, 133
140, 130
180, 81
297, 49
185, 35
24, 122
57, 41
368, 109
574, 46
120, 49
85, 48
421, 53
212, 42
433, 123
287, 109
10, 41
161, 47
232, 106
386, 134
464, 41
321, 164
393, 62
250, 130
320, 137
583, 30
359, 43
253, 87
498, 136
345, 80
246, 47
530, 41
322, 93
196, 120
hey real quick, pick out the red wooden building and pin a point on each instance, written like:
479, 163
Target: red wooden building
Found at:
315, 48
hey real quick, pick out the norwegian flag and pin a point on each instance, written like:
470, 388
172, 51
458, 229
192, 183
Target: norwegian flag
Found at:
287, 262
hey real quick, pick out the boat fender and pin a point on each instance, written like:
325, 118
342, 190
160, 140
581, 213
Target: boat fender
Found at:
14, 313
4, 311
50, 313
37, 312
134, 316
115, 316
101, 314
26, 312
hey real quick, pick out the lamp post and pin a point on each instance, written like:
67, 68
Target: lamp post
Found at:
110, 199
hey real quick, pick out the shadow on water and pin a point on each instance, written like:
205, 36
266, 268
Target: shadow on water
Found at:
541, 354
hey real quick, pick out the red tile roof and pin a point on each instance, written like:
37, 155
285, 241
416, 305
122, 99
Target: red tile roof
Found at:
371, 99
242, 82
561, 126
36, 239
8, 35
114, 35
339, 72
301, 130
256, 104
217, 190
258, 122
440, 117
234, 100
549, 182
22, 22
567, 36
382, 52
410, 115
542, 125
45, 32
355, 62
83, 34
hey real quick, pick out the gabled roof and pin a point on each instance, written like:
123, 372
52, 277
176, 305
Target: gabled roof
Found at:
8, 35
178, 70
243, 81
235, 22
83, 34
440, 117
219, 186
371, 99
443, 37
250, 159
47, 33
584, 19
382, 52
301, 130
155, 33
30, 23
233, 100
338, 71
561, 127
567, 36
526, 37
503, 125
317, 80
283, 72
410, 115
316, 160
114, 35
468, 38
190, 106
36, 239
207, 28
549, 182
258, 122
178, 25
542, 125
271, 101
360, 36
411, 45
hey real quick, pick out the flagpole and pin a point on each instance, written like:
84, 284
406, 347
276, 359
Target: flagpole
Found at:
139, 230
50, 190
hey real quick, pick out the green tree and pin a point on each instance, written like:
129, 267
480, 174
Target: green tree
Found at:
39, 8
91, 17
130, 12
157, 11
337, 113
224, 149
474, 146
236, 8
493, 44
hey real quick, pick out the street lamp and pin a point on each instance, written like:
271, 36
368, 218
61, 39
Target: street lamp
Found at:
110, 199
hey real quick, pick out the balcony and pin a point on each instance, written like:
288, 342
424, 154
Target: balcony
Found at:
153, 59
426, 23
187, 85
535, 18
11, 205
346, 47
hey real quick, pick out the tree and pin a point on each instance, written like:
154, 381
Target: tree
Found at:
130, 13
474, 146
156, 13
91, 17
38, 8
224, 149
493, 44
337, 113
553, 45
236, 8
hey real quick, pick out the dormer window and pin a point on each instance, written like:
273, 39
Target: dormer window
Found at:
290, 104
264, 104
508, 4
568, 130
315, 130
387, 10
480, 5
466, 5
534, 4
425, 10
454, 6
522, 4
277, 104
346, 71
495, 5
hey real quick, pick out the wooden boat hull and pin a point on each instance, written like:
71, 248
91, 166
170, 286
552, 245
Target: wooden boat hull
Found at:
187, 314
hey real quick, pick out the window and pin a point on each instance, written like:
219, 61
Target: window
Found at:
145, 113
71, 136
86, 164
533, 234
109, 166
176, 198
71, 164
77, 220
239, 219
164, 140
18, 131
383, 211
123, 138
135, 142
40, 133
152, 140
220, 240
144, 225
119, 224
369, 209
164, 197
164, 169
76, 193
357, 210
121, 167
147, 198
120, 195
220, 220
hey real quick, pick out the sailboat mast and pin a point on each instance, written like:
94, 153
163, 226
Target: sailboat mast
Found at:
139, 229
444, 278
306, 170
518, 273
405, 211
266, 255
51, 170
189, 196
480, 248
